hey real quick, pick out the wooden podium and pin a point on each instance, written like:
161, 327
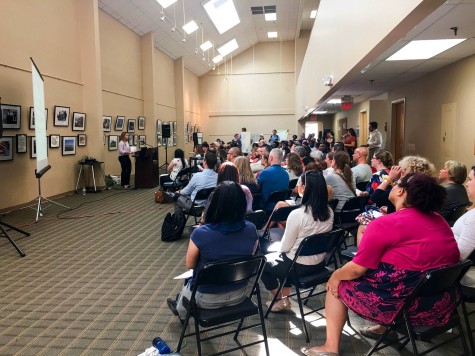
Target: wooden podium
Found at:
146, 173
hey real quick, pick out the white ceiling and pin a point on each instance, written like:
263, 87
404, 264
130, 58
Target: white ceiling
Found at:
143, 16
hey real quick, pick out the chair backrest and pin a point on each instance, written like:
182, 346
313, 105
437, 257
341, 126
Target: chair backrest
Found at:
282, 213
456, 213
352, 208
279, 195
256, 201
293, 183
362, 186
319, 243
183, 172
258, 218
204, 193
333, 203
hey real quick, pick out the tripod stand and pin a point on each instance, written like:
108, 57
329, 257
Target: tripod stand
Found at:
165, 165
4, 228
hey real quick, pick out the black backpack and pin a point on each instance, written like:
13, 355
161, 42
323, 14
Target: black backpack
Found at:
173, 225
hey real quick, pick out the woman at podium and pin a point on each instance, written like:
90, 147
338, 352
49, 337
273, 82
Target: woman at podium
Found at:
124, 159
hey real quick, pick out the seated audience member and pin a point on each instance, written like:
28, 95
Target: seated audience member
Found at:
245, 174
264, 163
385, 270
224, 236
175, 166
328, 162
253, 157
338, 146
341, 180
381, 161
222, 155
307, 160
316, 153
312, 217
233, 152
464, 231
452, 177
228, 172
300, 151
201, 180
329, 140
362, 170
350, 142
284, 145
236, 141
258, 166
204, 149
273, 178
293, 165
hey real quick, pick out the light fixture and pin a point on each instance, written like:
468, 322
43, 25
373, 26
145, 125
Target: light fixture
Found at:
272, 16
166, 3
162, 18
206, 46
190, 27
222, 13
183, 40
272, 34
313, 14
228, 47
173, 29
217, 59
320, 112
423, 49
334, 101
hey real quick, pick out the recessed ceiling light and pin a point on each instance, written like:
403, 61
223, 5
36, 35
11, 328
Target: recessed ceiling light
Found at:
217, 59
166, 3
206, 46
320, 112
313, 14
271, 16
228, 47
423, 49
334, 101
190, 27
222, 13
272, 34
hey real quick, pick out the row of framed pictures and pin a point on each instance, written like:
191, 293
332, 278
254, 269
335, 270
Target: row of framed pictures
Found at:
67, 143
161, 141
120, 123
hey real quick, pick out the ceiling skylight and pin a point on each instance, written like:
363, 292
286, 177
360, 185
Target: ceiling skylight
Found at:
313, 14
272, 16
423, 49
190, 27
217, 59
206, 46
228, 47
222, 13
272, 34
166, 3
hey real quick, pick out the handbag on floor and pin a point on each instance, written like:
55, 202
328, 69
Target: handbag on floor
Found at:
162, 197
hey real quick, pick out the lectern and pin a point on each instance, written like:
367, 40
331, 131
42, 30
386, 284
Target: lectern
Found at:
146, 173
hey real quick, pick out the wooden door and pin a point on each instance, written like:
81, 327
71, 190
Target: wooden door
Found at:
398, 114
363, 129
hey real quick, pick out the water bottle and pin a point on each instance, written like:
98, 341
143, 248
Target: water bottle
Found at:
161, 346
84, 191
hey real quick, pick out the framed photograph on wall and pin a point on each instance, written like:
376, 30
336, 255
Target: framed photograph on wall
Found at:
21, 143
106, 123
54, 141
170, 142
174, 127
6, 148
142, 141
131, 140
186, 138
131, 125
33, 147
11, 116
79, 121
119, 123
32, 118
159, 127
141, 120
113, 142
174, 140
61, 116
82, 138
136, 140
69, 145
188, 128
159, 140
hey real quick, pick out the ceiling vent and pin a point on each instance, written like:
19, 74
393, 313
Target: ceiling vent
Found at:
257, 10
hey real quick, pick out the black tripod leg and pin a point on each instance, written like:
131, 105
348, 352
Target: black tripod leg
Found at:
4, 233
14, 228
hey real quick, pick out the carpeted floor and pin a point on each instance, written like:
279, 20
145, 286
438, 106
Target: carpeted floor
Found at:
95, 281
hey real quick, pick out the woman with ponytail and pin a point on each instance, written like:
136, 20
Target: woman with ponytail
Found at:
341, 180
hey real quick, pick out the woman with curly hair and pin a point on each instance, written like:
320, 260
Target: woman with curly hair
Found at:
294, 165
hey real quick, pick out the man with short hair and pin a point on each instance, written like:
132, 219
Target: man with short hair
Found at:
273, 178
375, 140
258, 166
362, 171
206, 179
233, 152
273, 138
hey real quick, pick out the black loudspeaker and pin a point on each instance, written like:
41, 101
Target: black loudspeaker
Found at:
165, 131
195, 139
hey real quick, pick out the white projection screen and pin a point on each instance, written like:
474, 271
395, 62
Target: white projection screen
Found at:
40, 119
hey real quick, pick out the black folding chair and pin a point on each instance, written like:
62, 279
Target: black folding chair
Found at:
345, 219
311, 245
272, 234
275, 197
333, 203
256, 201
434, 282
456, 213
362, 186
258, 218
223, 274
293, 183
196, 209
180, 181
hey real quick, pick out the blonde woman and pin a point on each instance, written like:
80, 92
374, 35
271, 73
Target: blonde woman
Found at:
245, 173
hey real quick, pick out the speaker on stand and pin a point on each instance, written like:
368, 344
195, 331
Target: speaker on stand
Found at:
166, 132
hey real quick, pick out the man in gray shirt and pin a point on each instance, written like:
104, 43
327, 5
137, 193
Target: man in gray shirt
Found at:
375, 140
362, 171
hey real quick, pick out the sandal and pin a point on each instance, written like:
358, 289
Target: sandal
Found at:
310, 352
366, 332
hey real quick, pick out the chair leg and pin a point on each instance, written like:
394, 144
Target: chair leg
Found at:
276, 297
462, 336
307, 337
378, 342
198, 338
183, 330
261, 317
238, 330
468, 327
309, 295
410, 335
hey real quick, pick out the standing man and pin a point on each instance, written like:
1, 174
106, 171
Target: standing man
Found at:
375, 140
236, 142
273, 138
362, 171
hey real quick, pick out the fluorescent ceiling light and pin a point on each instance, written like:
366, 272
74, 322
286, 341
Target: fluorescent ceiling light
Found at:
190, 27
271, 16
334, 101
423, 49
228, 47
272, 34
320, 112
217, 59
166, 3
313, 14
222, 13
206, 46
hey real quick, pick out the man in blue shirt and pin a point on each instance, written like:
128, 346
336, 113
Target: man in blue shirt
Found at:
273, 178
273, 138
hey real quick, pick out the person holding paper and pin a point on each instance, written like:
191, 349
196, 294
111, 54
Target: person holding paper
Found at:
124, 159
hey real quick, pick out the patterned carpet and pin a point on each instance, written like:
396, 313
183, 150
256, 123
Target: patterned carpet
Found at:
95, 281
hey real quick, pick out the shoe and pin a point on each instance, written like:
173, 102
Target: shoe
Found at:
280, 306
366, 332
172, 305
308, 351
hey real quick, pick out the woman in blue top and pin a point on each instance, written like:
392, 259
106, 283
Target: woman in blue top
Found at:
224, 236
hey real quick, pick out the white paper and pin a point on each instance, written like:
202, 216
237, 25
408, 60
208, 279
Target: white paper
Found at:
187, 274
275, 247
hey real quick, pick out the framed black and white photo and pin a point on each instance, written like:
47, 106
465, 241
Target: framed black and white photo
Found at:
141, 123
82, 138
159, 127
174, 140
136, 140
6, 148
21, 143
113, 142
11, 116
131, 125
119, 123
170, 142
159, 140
142, 141
32, 117
61, 116
131, 140
174, 127
79, 121
188, 128
69, 145
54, 141
186, 138
106, 123
33, 147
